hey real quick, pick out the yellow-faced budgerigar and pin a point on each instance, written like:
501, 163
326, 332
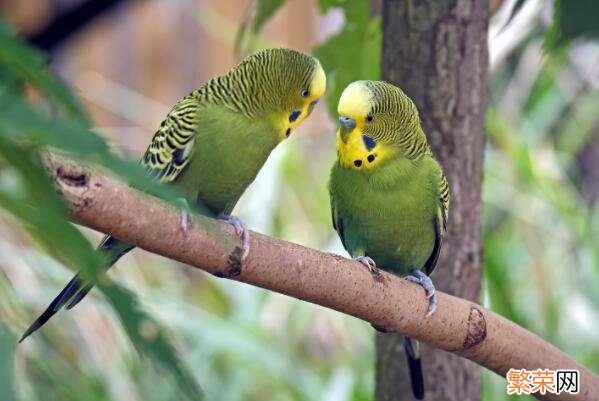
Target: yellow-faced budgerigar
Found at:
389, 196
215, 140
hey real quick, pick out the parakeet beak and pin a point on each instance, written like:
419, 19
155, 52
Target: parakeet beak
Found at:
347, 125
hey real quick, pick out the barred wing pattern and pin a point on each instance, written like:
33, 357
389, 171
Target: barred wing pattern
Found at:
172, 145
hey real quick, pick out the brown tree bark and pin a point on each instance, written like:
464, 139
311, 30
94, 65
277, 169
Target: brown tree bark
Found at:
436, 50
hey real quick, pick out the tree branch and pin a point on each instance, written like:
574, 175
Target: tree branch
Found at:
458, 326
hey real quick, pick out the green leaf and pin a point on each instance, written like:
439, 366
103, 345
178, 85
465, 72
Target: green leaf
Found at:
28, 193
352, 54
22, 123
30, 64
19, 122
150, 338
572, 20
253, 22
7, 351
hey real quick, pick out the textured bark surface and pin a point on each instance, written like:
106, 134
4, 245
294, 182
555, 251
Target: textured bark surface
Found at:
436, 50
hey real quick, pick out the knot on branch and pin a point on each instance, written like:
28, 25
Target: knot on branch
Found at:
233, 264
72, 178
65, 171
477, 328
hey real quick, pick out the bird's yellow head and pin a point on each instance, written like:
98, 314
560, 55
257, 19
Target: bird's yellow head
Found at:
304, 98
285, 84
378, 121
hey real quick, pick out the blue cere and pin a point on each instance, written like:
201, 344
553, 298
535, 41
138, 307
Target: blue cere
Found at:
368, 142
293, 116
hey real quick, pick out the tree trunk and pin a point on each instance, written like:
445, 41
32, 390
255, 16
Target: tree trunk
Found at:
436, 51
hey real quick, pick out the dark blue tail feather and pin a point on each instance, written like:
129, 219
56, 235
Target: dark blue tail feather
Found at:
415, 369
62, 298
78, 288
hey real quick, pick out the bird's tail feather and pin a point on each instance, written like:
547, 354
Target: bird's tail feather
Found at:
81, 293
71, 288
414, 367
78, 288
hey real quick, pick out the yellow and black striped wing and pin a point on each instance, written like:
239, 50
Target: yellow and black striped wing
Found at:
172, 145
444, 200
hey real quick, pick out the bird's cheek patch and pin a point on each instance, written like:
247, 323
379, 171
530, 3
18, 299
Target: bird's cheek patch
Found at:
293, 116
369, 143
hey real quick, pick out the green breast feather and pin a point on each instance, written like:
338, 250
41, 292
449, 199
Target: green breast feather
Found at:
225, 142
396, 219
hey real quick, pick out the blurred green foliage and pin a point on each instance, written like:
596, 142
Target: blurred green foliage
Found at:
541, 264
7, 349
29, 195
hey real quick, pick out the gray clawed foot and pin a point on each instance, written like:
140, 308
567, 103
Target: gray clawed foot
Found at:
418, 277
241, 231
370, 265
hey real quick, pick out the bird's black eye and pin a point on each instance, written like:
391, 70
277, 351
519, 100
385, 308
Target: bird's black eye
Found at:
370, 118
305, 93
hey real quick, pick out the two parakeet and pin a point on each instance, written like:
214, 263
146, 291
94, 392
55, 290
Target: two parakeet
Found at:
389, 196
215, 140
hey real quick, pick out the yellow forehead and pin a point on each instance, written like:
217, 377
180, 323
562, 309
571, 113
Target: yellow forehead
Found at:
319, 82
355, 101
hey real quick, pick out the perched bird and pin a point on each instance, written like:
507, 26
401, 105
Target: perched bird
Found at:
389, 196
215, 140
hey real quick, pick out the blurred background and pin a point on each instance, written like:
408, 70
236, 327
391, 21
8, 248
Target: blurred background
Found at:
129, 65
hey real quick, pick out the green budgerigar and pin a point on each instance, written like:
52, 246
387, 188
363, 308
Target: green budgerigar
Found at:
215, 140
389, 196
